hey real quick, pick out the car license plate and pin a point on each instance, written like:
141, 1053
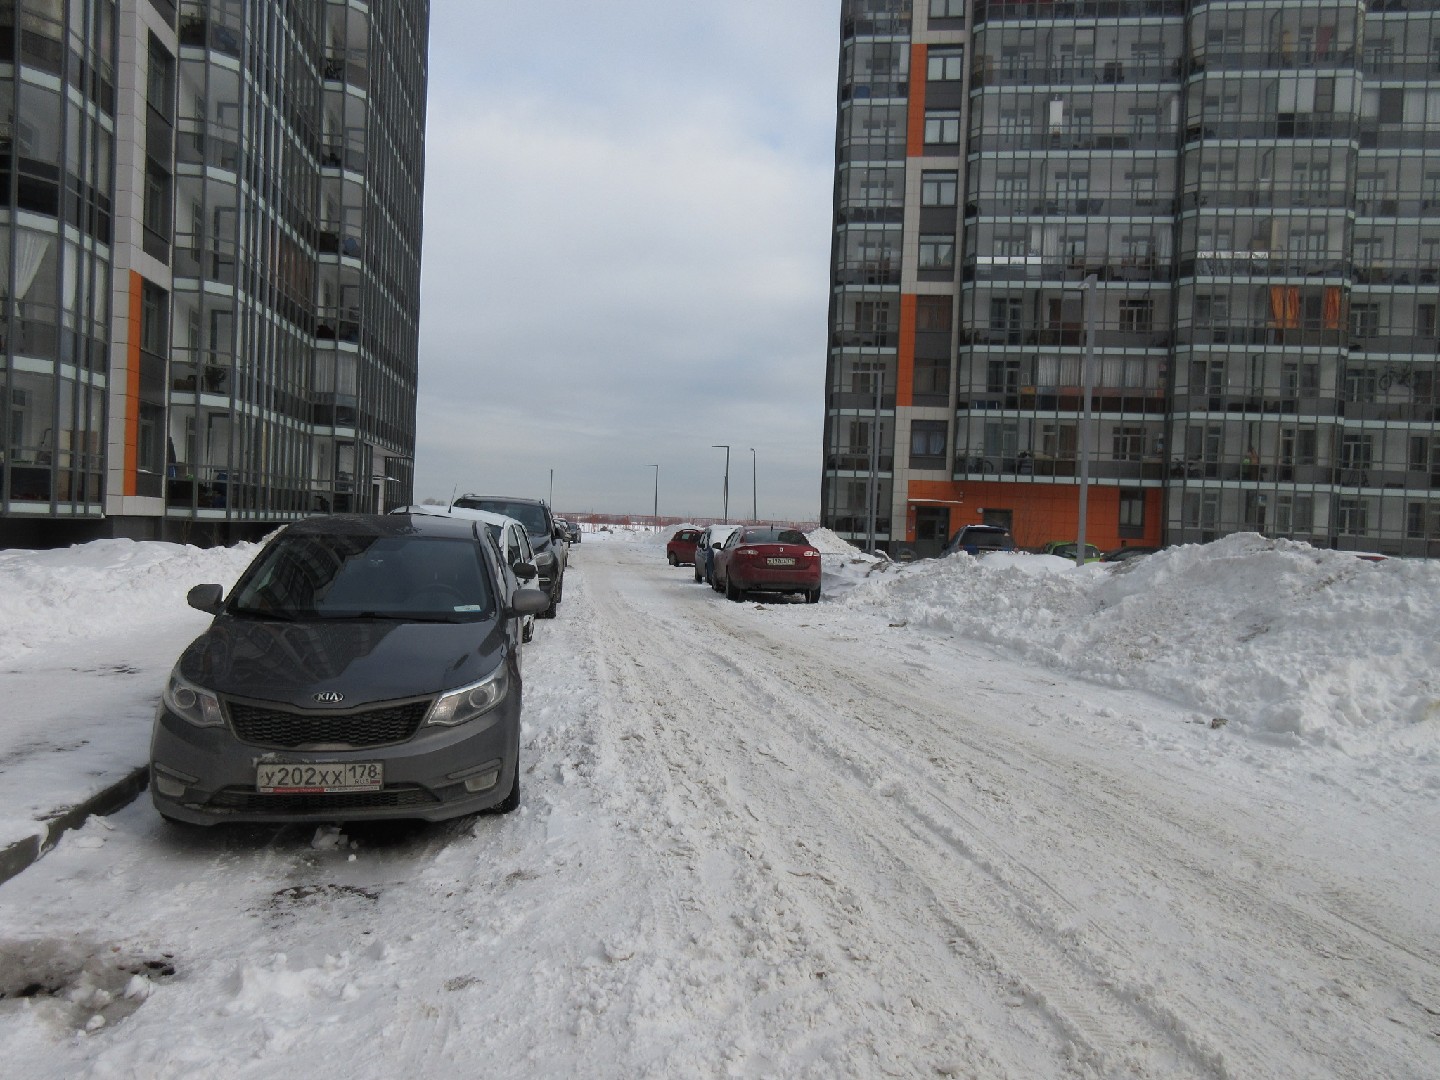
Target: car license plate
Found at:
779, 562
313, 778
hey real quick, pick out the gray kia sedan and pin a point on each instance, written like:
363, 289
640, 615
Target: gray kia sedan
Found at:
363, 667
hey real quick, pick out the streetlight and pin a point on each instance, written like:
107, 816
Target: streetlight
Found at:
726, 448
754, 491
1087, 377
551, 500
655, 513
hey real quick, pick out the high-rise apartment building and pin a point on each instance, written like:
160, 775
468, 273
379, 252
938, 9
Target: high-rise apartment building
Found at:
209, 263
1218, 222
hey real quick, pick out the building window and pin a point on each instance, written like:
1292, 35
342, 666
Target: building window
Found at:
945, 64
938, 188
942, 127
160, 80
1127, 443
932, 313
1132, 512
1352, 518
927, 440
1136, 316
937, 253
947, 9
154, 324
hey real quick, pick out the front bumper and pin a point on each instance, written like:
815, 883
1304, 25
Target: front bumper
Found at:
206, 776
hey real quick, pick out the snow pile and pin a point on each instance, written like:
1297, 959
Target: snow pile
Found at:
1294, 644
102, 588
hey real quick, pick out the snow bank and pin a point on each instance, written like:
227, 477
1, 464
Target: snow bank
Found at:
1292, 643
102, 588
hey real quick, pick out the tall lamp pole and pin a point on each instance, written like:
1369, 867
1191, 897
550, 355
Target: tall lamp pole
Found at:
1087, 376
655, 513
754, 490
726, 448
552, 489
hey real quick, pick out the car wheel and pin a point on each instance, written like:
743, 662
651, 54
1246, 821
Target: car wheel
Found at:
527, 632
511, 802
673, 561
549, 612
813, 596
698, 578
732, 592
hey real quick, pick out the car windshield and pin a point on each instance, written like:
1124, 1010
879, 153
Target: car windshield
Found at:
407, 578
529, 514
775, 536
987, 539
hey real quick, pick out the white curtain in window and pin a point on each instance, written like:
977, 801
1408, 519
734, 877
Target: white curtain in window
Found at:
30, 249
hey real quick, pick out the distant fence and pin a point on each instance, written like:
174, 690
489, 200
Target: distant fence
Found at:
667, 522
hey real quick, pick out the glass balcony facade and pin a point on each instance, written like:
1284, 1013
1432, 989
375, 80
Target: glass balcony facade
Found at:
232, 295
1217, 218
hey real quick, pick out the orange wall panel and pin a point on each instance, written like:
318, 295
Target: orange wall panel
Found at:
915, 121
905, 353
1039, 512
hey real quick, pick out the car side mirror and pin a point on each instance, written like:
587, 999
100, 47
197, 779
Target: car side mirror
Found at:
560, 534
524, 570
205, 598
528, 602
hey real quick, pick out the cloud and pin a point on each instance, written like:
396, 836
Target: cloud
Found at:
625, 258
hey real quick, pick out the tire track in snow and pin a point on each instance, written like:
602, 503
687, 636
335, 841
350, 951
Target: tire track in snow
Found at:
1048, 934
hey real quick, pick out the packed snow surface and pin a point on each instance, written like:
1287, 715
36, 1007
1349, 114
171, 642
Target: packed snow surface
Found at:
1002, 817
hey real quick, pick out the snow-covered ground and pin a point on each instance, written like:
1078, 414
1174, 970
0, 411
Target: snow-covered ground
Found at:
982, 818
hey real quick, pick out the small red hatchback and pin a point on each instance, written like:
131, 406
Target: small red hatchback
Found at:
680, 551
759, 559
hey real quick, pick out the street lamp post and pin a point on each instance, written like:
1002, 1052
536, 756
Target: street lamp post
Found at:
1087, 378
655, 513
726, 448
754, 489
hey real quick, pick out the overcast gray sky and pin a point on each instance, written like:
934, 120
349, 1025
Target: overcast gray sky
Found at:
626, 243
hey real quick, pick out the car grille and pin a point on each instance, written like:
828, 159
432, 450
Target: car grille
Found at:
248, 800
261, 725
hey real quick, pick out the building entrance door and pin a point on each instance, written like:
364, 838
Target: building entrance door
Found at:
932, 530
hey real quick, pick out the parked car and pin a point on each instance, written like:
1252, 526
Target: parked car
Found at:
1125, 554
573, 528
517, 558
711, 537
758, 558
980, 540
680, 550
1066, 549
364, 666
545, 537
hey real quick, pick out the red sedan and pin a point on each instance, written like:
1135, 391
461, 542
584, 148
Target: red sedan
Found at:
680, 551
760, 559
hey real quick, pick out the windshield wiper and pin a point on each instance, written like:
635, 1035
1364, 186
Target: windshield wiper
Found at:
266, 615
400, 616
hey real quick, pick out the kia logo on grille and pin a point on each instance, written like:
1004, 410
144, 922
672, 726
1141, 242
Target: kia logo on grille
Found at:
330, 697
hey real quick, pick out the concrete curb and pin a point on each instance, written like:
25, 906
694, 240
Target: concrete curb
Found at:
24, 853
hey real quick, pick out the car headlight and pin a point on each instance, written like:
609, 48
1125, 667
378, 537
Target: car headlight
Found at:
465, 704
192, 703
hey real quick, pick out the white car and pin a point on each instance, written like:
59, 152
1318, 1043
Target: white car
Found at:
711, 537
512, 547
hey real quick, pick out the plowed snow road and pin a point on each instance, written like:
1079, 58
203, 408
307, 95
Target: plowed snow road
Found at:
764, 840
